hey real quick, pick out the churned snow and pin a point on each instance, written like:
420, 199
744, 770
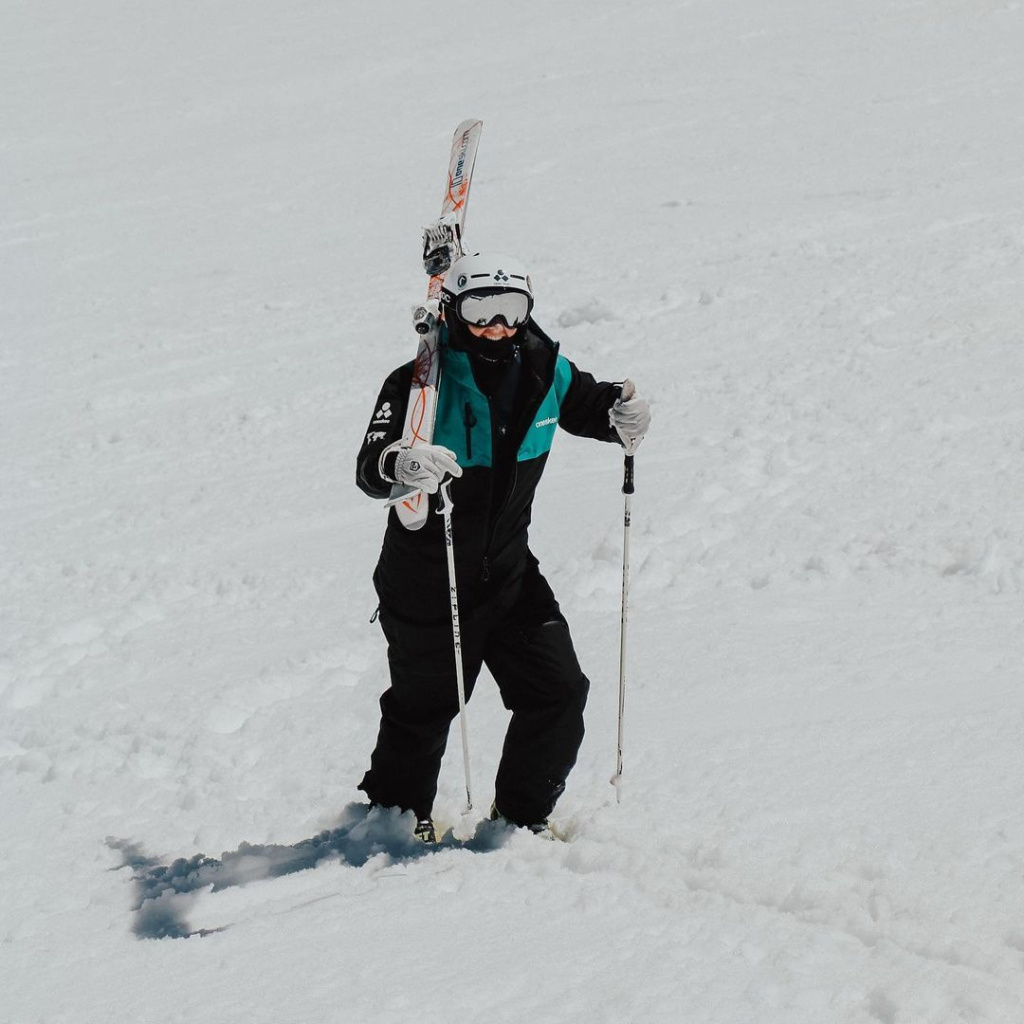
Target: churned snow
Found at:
798, 226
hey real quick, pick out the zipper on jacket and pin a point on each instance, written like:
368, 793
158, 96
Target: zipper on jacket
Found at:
497, 519
523, 428
485, 573
470, 420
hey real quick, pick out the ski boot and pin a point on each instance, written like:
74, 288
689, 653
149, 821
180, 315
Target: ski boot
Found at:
540, 829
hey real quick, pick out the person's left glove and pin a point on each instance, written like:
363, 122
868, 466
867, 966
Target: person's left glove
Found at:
630, 416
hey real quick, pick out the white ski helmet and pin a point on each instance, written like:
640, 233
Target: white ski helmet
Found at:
485, 287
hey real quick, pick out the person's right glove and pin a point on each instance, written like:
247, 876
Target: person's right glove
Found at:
630, 416
423, 467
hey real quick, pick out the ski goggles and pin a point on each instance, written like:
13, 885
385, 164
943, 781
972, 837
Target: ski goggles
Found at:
483, 308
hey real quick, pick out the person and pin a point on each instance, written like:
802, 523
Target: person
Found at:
504, 388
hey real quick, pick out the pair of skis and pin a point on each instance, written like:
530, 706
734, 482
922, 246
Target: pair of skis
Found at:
442, 245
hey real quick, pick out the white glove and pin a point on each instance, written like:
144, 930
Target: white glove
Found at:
630, 416
424, 467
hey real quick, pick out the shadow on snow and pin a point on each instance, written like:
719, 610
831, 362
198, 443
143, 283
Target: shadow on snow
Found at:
361, 836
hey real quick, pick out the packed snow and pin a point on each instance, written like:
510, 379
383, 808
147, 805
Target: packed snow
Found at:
799, 227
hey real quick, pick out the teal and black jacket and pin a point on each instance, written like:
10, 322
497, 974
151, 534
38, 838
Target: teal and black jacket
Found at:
502, 441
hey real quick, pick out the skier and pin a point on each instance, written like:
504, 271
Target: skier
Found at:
504, 388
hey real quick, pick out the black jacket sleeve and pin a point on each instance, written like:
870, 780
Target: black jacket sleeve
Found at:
385, 428
585, 407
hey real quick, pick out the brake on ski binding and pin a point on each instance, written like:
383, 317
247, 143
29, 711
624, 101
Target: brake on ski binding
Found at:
442, 244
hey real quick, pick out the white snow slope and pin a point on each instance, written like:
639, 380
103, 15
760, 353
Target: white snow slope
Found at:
799, 227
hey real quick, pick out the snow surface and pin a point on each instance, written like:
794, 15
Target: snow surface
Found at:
799, 226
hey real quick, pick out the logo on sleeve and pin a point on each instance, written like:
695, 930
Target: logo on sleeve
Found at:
546, 423
382, 416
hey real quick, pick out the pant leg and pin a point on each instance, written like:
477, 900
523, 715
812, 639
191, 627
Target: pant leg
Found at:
417, 711
532, 658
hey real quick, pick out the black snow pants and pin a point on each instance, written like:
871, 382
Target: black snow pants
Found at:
522, 637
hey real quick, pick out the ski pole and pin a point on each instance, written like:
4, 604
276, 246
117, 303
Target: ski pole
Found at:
627, 494
630, 444
445, 509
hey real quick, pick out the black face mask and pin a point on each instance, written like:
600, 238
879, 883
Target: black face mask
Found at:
461, 339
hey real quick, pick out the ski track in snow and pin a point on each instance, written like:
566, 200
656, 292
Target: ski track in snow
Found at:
799, 228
